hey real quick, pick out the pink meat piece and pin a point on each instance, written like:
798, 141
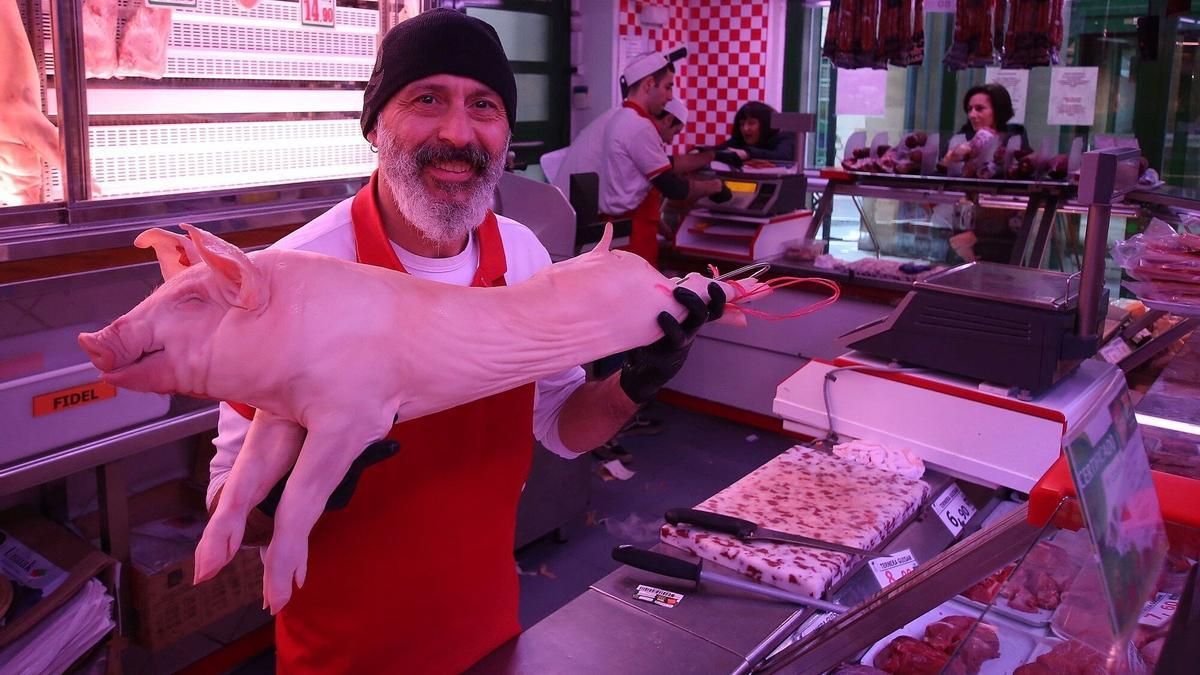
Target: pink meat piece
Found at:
909, 656
1152, 651
1022, 600
248, 4
99, 37
1067, 658
315, 345
27, 138
948, 633
143, 51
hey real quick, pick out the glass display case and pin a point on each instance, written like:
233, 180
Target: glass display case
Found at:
228, 113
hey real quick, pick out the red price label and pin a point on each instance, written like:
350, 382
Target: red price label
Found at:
318, 13
893, 568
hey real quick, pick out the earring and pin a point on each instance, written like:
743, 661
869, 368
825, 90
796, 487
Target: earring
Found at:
374, 149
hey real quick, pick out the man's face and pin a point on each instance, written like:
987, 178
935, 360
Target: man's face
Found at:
659, 93
668, 127
442, 143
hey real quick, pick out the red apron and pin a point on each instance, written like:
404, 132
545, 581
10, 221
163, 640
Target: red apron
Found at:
417, 575
643, 235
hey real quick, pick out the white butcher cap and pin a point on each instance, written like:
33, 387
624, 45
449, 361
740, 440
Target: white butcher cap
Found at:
648, 64
678, 109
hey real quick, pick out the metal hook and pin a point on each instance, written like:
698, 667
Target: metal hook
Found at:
752, 271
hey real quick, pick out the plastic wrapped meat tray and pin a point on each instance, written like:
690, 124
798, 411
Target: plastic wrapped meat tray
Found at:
805, 492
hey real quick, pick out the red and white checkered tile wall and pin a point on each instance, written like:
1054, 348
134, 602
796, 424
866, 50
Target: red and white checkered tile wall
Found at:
726, 64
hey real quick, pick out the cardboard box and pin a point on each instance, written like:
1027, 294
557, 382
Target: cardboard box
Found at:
166, 606
62, 560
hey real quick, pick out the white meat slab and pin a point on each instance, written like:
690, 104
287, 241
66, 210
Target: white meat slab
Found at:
806, 492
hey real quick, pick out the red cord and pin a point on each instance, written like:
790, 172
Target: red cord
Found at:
783, 282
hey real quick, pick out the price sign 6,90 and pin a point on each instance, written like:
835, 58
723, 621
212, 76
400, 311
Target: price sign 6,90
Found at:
954, 509
318, 12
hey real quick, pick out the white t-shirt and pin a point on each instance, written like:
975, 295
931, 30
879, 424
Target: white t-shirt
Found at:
585, 154
332, 233
633, 155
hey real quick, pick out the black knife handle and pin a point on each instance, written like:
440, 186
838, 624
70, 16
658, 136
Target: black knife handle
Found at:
656, 562
712, 521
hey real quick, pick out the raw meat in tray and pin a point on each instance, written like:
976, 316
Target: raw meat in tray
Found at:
810, 493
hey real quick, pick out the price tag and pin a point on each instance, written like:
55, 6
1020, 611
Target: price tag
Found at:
954, 509
657, 596
1159, 610
1115, 351
318, 13
171, 3
888, 570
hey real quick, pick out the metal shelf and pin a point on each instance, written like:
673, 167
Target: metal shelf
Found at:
115, 223
90, 454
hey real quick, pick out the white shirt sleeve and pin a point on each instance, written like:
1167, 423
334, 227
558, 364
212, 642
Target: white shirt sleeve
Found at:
645, 150
231, 433
552, 393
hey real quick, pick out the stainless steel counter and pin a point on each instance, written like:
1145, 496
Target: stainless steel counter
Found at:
714, 629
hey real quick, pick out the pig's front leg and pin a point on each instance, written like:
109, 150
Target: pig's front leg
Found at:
328, 452
271, 447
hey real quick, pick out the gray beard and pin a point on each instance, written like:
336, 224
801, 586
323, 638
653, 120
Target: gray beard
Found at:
441, 220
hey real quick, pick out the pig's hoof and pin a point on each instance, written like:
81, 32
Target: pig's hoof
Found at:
283, 571
217, 547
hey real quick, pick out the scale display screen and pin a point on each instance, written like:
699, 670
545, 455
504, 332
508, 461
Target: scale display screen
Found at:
740, 186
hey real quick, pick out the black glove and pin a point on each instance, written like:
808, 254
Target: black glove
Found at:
721, 197
729, 157
373, 454
648, 368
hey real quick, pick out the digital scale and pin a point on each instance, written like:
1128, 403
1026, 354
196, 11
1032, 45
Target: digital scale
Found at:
1014, 326
760, 194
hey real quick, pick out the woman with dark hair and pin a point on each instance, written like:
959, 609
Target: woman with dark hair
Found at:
988, 106
754, 138
988, 234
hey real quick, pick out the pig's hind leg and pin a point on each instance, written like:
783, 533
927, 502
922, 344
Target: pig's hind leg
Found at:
328, 452
269, 451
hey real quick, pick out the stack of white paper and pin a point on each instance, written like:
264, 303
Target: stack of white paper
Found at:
64, 636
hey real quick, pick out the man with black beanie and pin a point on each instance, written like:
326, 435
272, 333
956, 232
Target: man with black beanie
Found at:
413, 572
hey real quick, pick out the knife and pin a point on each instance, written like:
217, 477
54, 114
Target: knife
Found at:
747, 530
668, 566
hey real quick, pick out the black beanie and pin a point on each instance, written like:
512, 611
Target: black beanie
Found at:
435, 42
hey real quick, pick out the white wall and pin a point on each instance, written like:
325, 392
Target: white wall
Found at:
599, 35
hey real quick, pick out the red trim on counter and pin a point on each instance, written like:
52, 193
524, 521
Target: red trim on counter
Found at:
960, 392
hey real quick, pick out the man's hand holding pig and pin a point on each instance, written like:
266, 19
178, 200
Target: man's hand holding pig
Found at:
648, 368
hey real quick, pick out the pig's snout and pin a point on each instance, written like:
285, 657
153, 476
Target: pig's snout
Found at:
101, 355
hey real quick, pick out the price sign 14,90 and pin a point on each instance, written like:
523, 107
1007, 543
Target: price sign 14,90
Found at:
954, 509
318, 13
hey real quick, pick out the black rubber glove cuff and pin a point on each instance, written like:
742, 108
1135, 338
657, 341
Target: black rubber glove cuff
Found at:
373, 454
648, 368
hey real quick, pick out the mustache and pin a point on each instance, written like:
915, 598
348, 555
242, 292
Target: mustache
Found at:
431, 153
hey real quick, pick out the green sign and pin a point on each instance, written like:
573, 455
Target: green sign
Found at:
1116, 494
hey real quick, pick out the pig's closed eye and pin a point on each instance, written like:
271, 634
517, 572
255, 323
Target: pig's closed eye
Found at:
192, 300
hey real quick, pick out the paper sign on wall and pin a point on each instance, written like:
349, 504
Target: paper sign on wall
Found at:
1073, 95
630, 47
1017, 84
862, 91
939, 6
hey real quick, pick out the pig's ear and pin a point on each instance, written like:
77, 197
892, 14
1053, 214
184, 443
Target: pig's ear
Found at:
242, 283
605, 242
175, 252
